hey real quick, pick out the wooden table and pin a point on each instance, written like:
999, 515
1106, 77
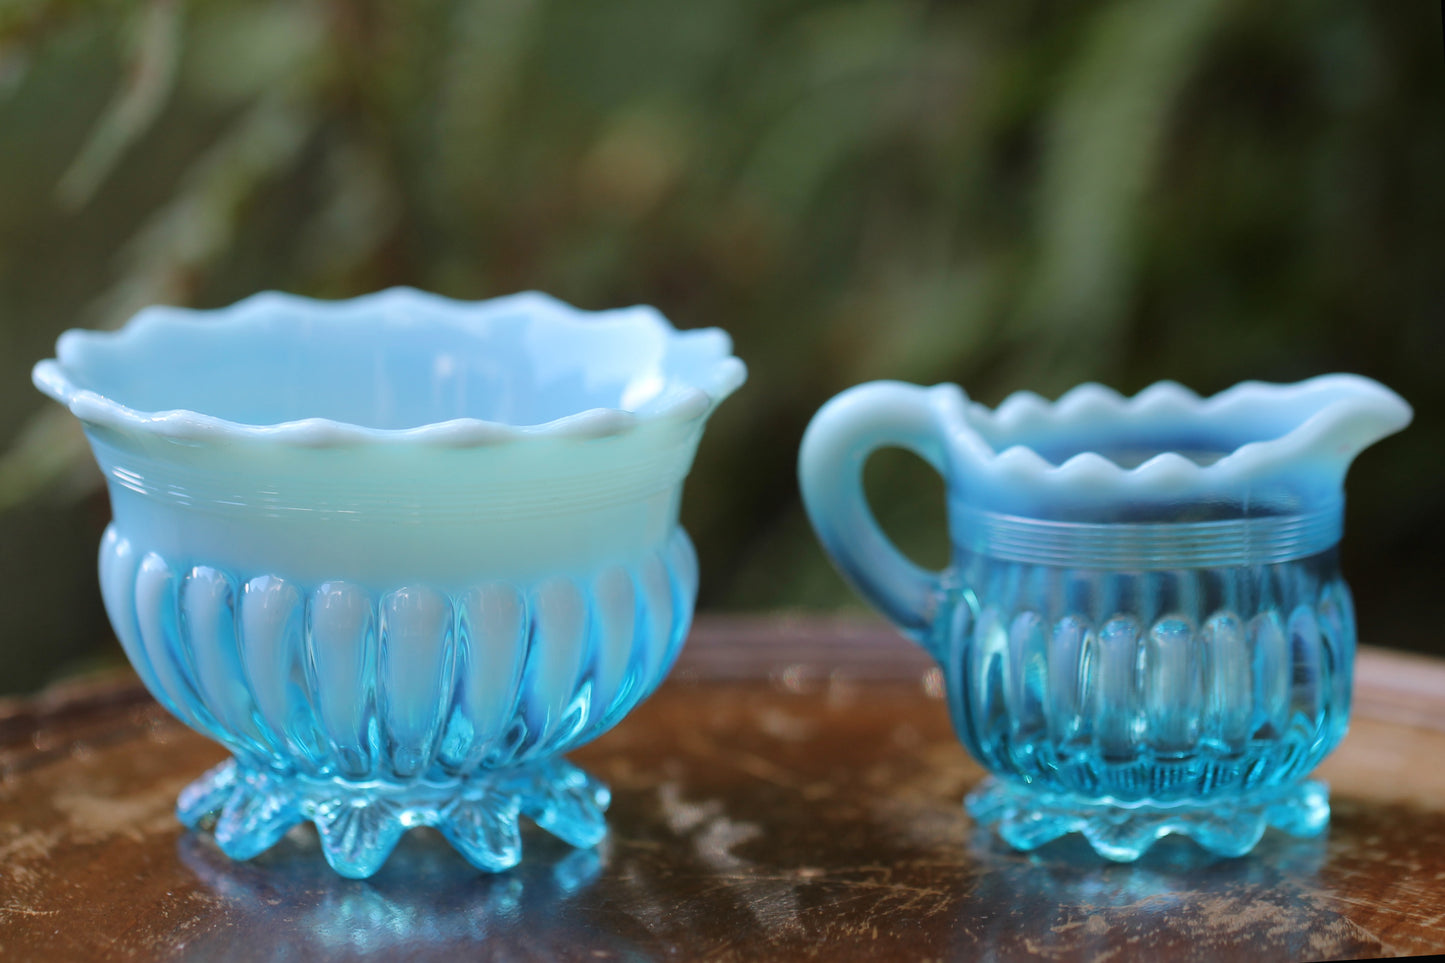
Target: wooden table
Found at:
791, 792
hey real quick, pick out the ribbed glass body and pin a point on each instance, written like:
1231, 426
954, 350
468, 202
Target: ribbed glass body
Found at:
401, 685
1149, 663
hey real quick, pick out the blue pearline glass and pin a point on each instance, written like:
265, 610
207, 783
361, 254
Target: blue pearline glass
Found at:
397, 553
1143, 629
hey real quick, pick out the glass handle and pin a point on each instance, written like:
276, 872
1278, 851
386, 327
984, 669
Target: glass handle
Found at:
838, 442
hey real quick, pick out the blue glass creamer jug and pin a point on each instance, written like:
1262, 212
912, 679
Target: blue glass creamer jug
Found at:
1143, 629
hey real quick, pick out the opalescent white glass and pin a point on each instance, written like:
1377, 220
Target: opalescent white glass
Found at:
396, 553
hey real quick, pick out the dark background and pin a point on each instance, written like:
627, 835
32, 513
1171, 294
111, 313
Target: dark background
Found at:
1003, 193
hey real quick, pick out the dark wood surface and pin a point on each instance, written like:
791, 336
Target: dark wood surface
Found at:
792, 792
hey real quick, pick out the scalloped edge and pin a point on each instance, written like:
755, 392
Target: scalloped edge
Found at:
725, 374
248, 810
1228, 826
1353, 413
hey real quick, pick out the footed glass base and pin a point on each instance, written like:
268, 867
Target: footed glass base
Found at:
249, 810
1027, 818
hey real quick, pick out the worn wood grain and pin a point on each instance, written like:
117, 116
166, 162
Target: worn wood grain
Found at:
791, 793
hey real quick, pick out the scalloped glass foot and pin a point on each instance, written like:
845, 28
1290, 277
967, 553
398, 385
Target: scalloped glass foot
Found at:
1027, 818
249, 810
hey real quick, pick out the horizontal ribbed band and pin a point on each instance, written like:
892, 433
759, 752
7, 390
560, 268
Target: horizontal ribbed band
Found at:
1149, 545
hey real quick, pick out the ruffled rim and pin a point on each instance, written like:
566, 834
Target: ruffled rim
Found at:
1335, 417
707, 350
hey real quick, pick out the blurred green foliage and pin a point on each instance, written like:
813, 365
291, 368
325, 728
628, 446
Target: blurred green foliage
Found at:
1003, 193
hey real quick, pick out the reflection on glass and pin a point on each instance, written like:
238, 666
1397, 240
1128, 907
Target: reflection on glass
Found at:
287, 905
1079, 906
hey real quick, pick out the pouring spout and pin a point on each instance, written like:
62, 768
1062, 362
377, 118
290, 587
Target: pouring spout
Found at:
1351, 413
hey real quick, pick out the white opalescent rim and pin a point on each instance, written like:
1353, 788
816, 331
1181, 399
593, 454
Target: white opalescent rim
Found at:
708, 351
1318, 425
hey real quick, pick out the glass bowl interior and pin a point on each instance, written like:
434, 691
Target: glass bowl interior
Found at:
1336, 415
399, 360
1131, 434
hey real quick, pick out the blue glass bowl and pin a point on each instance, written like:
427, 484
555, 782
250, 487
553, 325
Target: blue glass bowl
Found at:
1144, 629
397, 553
